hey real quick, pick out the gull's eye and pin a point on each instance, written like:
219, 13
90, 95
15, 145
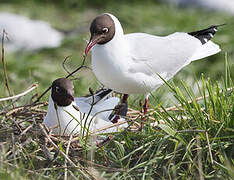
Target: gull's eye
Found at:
105, 30
57, 89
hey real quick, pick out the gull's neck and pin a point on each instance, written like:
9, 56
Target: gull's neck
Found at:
118, 28
64, 118
117, 48
118, 38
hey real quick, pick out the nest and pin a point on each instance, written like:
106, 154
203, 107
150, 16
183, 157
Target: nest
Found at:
27, 119
22, 125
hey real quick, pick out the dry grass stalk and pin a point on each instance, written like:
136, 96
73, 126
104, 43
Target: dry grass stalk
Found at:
78, 168
31, 88
22, 110
208, 143
67, 150
199, 157
4, 63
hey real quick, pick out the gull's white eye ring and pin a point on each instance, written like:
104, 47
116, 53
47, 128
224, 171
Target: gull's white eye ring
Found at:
105, 30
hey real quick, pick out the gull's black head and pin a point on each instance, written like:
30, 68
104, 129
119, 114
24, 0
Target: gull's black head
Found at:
102, 30
62, 92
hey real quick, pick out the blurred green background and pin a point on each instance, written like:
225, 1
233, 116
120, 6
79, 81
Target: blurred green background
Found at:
73, 17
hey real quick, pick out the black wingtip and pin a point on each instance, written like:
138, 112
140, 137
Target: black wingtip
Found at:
98, 95
205, 35
216, 26
219, 25
103, 92
119, 110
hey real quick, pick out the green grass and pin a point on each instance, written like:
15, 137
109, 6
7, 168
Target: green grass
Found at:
177, 149
170, 151
195, 140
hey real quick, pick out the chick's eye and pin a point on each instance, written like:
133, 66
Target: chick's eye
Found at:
105, 30
57, 89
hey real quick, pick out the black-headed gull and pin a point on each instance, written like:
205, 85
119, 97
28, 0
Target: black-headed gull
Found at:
68, 115
129, 63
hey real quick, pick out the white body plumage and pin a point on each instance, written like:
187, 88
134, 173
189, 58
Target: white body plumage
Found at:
68, 120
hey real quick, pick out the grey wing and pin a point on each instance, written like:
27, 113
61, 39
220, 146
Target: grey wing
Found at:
163, 55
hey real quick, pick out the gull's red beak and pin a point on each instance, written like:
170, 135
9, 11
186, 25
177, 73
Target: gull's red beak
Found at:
90, 45
70, 97
95, 38
70, 94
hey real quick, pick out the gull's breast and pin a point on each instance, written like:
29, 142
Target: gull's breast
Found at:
113, 70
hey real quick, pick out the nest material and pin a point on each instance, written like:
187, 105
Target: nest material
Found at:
22, 125
26, 120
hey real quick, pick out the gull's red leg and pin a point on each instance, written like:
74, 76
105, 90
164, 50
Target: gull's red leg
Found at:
117, 117
145, 109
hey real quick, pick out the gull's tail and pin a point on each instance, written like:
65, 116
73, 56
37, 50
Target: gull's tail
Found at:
208, 48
